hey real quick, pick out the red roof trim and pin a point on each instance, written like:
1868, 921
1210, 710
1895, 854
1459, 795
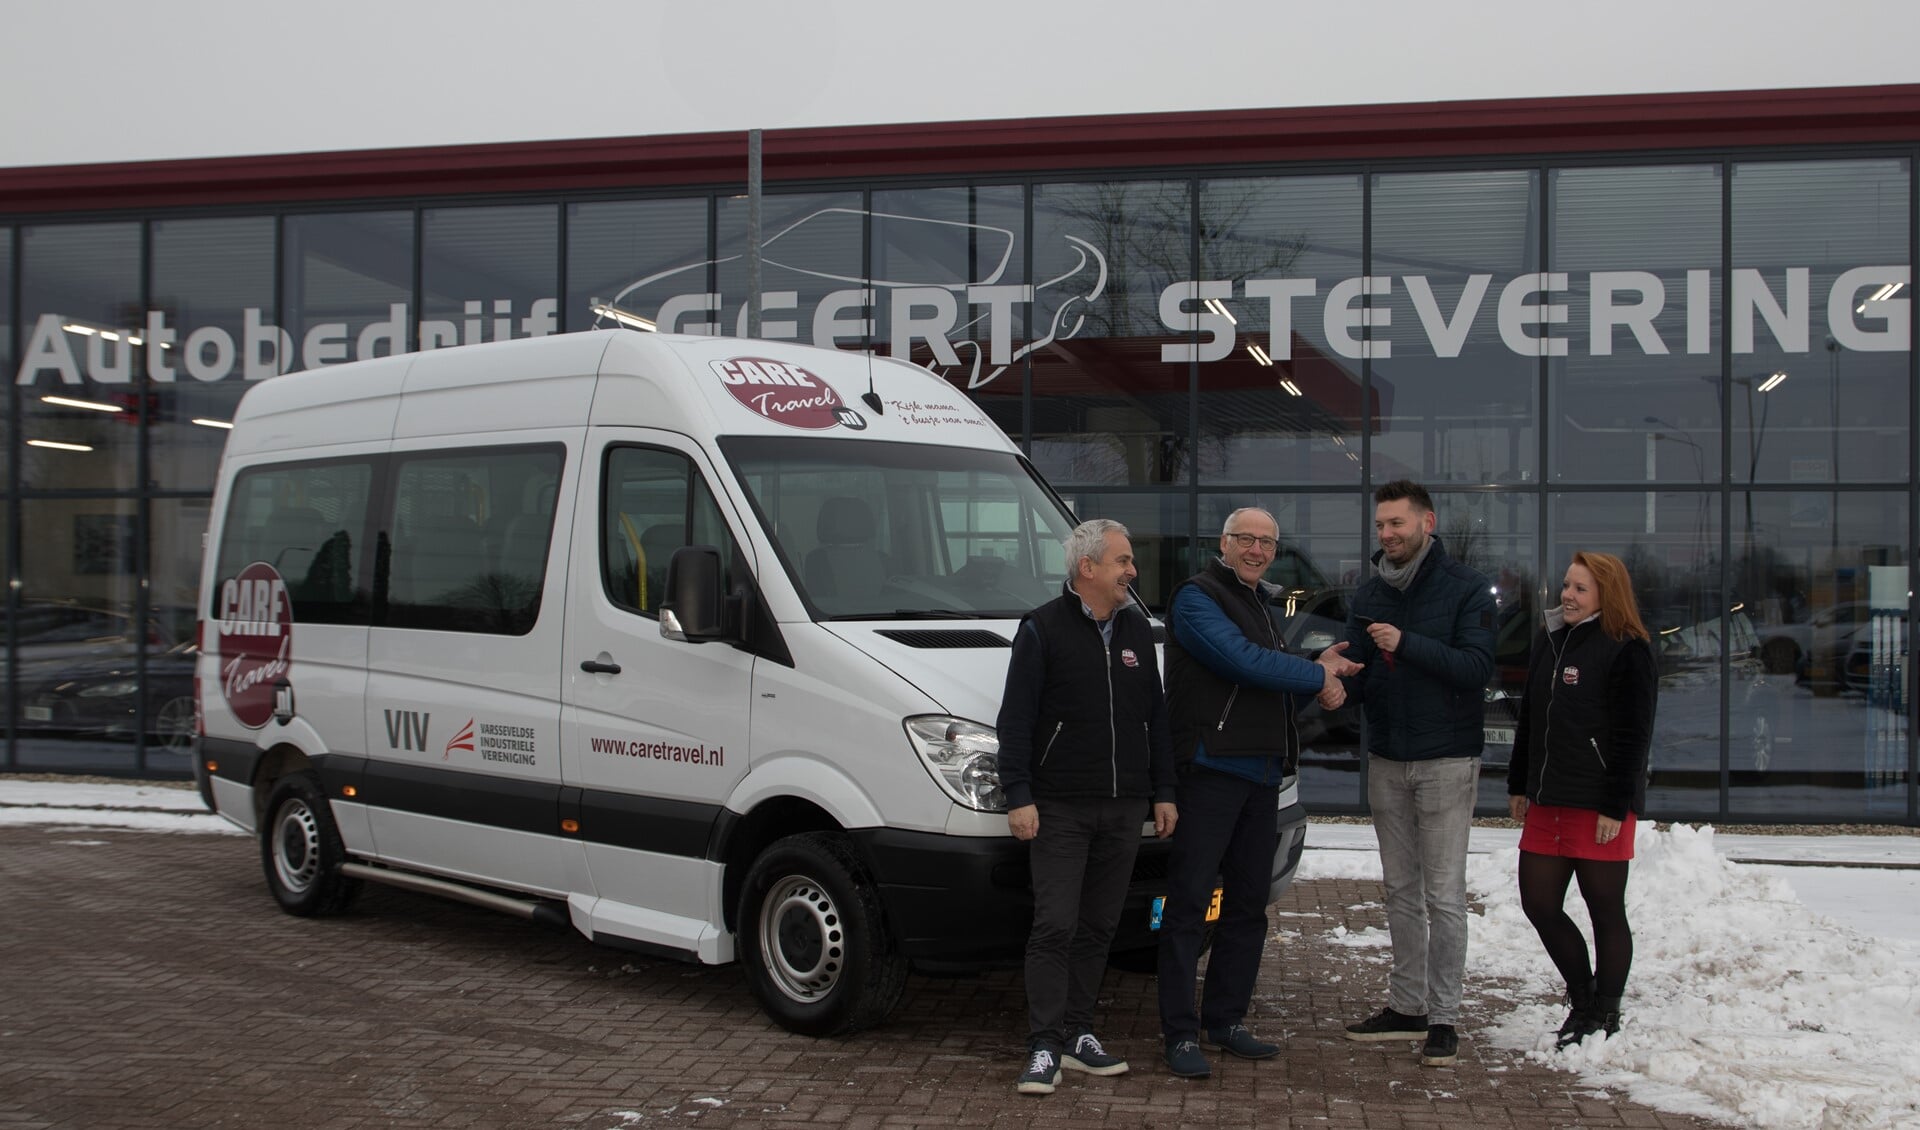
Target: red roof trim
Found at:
1516, 127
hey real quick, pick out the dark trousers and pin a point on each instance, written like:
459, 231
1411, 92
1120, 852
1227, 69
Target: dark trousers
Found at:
1228, 827
1082, 862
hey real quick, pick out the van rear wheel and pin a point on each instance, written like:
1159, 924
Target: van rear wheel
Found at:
813, 939
301, 851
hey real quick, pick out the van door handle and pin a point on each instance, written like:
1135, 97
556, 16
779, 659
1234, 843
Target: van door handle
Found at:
598, 667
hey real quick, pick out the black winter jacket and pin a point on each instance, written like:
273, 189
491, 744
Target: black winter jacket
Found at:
1586, 721
1080, 720
1430, 700
1225, 713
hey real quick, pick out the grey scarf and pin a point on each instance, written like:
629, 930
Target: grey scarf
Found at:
1400, 576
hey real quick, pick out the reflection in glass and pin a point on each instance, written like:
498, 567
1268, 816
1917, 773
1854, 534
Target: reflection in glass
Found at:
1820, 245
1631, 306
81, 319
813, 287
878, 531
1667, 540
6, 334
213, 285
1819, 714
1107, 407
348, 280
1497, 535
488, 274
647, 257
952, 265
77, 635
1279, 407
1458, 400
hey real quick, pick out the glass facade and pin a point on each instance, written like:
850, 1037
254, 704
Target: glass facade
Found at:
1702, 364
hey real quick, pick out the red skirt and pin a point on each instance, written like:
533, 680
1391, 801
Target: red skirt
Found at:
1556, 830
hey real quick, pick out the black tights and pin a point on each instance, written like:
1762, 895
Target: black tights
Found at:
1603, 884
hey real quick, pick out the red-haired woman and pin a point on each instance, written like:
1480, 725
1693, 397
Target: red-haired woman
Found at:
1579, 779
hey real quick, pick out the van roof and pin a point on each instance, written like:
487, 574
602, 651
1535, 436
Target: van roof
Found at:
699, 386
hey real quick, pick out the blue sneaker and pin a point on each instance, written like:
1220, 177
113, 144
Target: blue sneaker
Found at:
1043, 1071
1234, 1039
1184, 1059
1087, 1055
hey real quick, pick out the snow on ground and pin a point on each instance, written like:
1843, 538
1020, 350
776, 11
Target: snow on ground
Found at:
1768, 996
1744, 1005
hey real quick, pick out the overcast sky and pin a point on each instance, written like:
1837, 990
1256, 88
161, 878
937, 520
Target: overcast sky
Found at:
85, 81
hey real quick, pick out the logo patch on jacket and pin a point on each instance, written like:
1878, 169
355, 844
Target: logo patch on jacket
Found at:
1128, 657
1570, 676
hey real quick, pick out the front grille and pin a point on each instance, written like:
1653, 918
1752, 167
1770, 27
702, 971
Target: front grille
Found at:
935, 638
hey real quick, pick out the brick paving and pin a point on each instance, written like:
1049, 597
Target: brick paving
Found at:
149, 980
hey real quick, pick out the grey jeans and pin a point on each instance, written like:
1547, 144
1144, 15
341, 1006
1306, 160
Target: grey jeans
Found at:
1422, 812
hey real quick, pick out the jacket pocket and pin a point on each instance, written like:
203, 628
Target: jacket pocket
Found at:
1598, 756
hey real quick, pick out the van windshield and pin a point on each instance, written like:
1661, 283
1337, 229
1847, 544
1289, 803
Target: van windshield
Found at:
872, 530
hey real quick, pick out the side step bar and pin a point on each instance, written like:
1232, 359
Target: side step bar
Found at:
544, 912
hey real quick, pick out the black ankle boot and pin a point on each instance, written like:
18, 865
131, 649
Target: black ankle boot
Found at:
1606, 1015
1580, 1022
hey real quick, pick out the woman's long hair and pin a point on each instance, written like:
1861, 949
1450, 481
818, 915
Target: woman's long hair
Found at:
1619, 612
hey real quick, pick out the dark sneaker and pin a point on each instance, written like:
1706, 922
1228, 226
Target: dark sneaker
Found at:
1388, 1025
1442, 1046
1184, 1059
1236, 1040
1087, 1055
1043, 1071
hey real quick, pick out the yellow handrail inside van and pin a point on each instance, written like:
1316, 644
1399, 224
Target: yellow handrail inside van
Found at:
639, 554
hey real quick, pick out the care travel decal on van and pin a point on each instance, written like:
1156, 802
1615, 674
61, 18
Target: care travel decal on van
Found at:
256, 642
786, 394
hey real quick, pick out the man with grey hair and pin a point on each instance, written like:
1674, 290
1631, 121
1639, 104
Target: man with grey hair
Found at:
1084, 751
1232, 690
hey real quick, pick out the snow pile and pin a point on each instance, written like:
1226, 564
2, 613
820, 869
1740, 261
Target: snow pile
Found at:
1743, 1005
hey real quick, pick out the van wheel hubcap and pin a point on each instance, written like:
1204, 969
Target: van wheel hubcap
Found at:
296, 847
802, 943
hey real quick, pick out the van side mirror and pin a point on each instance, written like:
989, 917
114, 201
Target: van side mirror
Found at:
694, 608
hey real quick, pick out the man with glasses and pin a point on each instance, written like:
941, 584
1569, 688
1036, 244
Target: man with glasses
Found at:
1232, 690
1422, 628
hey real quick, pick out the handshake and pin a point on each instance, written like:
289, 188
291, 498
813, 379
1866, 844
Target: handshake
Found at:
1332, 693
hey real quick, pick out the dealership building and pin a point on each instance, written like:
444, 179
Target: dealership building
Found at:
1677, 328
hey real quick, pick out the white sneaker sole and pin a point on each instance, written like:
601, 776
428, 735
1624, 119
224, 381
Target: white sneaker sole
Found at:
1032, 1088
1073, 1063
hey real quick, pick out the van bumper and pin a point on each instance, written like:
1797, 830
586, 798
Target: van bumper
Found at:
961, 903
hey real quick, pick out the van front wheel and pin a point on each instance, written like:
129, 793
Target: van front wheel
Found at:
813, 940
300, 850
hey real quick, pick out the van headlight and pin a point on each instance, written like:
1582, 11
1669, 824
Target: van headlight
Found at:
964, 758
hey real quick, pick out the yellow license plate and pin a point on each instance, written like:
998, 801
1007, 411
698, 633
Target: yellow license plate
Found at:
1160, 901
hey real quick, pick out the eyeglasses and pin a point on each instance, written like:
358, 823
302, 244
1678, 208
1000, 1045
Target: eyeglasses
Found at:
1248, 541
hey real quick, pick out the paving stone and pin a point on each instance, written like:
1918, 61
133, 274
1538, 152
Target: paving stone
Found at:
150, 981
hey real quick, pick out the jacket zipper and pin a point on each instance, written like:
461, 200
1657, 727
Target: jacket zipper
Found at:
1057, 727
1546, 729
1595, 743
1231, 695
1113, 735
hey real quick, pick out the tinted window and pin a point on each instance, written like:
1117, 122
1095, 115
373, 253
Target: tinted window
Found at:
654, 502
305, 520
469, 537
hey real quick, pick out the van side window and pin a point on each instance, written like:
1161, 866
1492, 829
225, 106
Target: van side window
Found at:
306, 520
469, 538
652, 503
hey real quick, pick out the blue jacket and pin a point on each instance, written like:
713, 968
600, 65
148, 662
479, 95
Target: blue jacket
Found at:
1233, 694
1430, 700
